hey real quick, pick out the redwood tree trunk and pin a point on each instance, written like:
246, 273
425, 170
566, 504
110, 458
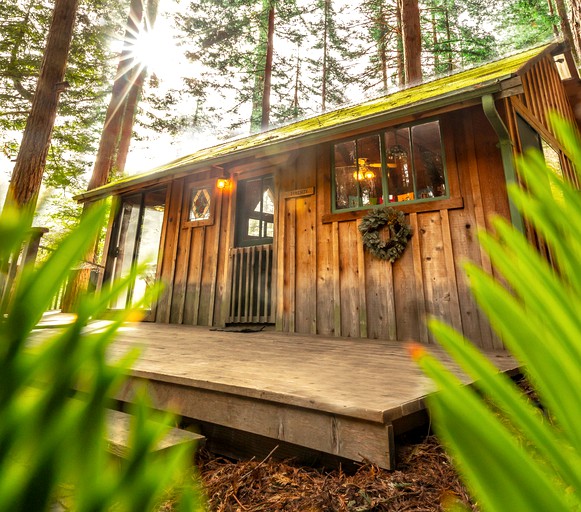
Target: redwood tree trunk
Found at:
566, 26
382, 46
552, 13
265, 119
107, 152
576, 26
132, 100
400, 63
27, 175
324, 70
412, 41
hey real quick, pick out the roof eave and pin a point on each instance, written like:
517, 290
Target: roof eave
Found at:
299, 140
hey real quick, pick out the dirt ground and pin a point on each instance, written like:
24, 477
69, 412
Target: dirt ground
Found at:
424, 481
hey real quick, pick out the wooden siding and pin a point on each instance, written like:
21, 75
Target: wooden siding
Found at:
543, 92
191, 265
342, 290
324, 282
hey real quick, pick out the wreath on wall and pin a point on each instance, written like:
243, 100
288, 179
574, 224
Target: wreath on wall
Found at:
392, 247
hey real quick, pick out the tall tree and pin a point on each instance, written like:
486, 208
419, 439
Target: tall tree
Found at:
383, 30
229, 41
31, 160
264, 53
576, 26
412, 41
330, 55
522, 23
457, 35
119, 120
566, 26
24, 26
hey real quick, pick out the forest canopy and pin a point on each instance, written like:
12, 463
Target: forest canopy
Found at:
221, 68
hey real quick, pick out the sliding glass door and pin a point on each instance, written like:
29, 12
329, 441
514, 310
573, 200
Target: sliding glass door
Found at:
135, 244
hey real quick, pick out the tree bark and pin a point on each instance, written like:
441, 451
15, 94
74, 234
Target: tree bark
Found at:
400, 58
30, 163
132, 99
382, 44
297, 83
265, 118
576, 26
412, 41
106, 154
435, 41
325, 41
566, 27
552, 13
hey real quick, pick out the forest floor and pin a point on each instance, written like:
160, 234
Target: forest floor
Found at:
423, 481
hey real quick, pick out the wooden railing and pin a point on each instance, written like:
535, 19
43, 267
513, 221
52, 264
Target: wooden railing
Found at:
251, 287
26, 255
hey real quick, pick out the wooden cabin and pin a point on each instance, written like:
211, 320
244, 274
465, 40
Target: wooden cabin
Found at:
264, 229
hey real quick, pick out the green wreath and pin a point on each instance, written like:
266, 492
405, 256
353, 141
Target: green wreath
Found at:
399, 233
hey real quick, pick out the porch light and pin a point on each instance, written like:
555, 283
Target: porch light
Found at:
222, 183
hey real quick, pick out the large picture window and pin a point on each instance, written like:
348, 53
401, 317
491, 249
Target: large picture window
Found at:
401, 164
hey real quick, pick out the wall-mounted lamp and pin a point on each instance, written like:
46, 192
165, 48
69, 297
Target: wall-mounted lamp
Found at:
222, 183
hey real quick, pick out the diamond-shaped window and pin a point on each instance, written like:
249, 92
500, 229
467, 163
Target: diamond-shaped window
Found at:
200, 205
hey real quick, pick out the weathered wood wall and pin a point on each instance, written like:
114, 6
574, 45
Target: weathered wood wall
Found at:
191, 263
332, 286
324, 281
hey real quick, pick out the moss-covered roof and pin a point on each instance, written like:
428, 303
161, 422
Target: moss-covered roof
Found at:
449, 89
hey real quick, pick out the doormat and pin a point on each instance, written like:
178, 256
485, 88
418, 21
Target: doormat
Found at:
238, 329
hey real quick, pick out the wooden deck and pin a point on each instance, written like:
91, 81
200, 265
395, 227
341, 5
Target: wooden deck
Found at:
340, 396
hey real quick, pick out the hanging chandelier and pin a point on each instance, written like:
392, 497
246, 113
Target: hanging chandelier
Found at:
364, 172
396, 155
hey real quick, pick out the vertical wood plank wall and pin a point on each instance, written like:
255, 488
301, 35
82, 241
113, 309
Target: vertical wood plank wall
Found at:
326, 283
329, 284
334, 287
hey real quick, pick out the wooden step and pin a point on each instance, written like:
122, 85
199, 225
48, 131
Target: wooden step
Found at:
118, 428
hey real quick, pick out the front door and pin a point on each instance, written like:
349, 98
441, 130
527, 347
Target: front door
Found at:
252, 254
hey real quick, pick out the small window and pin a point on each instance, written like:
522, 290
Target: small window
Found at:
199, 199
200, 202
401, 164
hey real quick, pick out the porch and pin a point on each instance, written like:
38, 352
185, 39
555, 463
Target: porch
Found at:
345, 397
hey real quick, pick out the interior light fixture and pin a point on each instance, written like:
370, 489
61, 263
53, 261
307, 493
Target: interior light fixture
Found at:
364, 171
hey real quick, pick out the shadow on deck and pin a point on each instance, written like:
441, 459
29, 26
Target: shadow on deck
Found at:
341, 396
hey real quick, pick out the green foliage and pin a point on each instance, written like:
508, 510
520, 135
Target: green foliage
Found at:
24, 27
53, 398
523, 23
512, 455
391, 246
456, 34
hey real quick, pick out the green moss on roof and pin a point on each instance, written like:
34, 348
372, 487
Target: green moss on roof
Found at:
455, 83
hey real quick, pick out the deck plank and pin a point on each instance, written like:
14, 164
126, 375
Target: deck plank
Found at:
366, 377
332, 394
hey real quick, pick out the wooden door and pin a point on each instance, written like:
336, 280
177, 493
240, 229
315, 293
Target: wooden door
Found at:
252, 255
